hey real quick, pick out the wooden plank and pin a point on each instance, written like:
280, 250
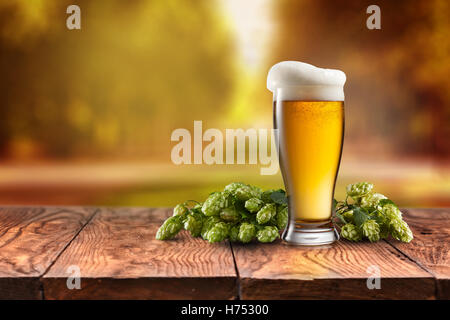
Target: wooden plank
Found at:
119, 258
30, 241
339, 271
431, 244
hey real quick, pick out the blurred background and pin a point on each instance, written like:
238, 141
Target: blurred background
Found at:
86, 115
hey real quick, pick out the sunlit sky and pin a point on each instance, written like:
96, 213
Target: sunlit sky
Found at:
252, 22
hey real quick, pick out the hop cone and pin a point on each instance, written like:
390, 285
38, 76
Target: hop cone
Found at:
371, 230
169, 228
267, 234
218, 232
266, 213
247, 232
400, 230
194, 223
180, 210
230, 214
232, 187
208, 223
197, 208
282, 216
348, 216
215, 203
253, 205
234, 233
391, 212
357, 190
350, 232
245, 193
371, 200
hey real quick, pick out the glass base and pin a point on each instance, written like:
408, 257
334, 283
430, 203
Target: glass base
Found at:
310, 234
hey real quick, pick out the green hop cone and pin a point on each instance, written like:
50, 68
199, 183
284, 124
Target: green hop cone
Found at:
358, 190
267, 234
371, 230
245, 193
208, 223
230, 214
350, 232
194, 223
339, 205
198, 208
371, 200
391, 212
281, 218
215, 203
232, 187
348, 216
180, 210
266, 213
247, 232
384, 231
400, 230
169, 228
234, 233
253, 205
218, 232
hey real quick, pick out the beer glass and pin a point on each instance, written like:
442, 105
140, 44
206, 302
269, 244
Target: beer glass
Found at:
309, 115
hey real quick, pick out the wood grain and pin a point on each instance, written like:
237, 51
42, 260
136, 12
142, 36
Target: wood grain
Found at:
431, 244
339, 271
119, 258
30, 241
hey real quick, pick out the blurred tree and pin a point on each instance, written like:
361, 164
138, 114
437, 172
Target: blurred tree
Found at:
134, 72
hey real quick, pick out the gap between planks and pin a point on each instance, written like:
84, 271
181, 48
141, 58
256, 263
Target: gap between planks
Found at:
63, 250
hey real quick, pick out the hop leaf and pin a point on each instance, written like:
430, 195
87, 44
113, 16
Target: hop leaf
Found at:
351, 232
266, 213
268, 234
371, 230
360, 215
247, 232
265, 196
169, 228
358, 190
279, 197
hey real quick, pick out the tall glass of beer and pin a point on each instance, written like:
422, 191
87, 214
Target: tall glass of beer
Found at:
308, 105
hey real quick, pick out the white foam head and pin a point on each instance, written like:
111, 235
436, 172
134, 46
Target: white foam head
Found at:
293, 80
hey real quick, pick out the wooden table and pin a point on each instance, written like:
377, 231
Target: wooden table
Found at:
118, 257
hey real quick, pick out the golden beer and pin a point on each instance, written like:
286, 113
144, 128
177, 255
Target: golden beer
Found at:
310, 145
309, 117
